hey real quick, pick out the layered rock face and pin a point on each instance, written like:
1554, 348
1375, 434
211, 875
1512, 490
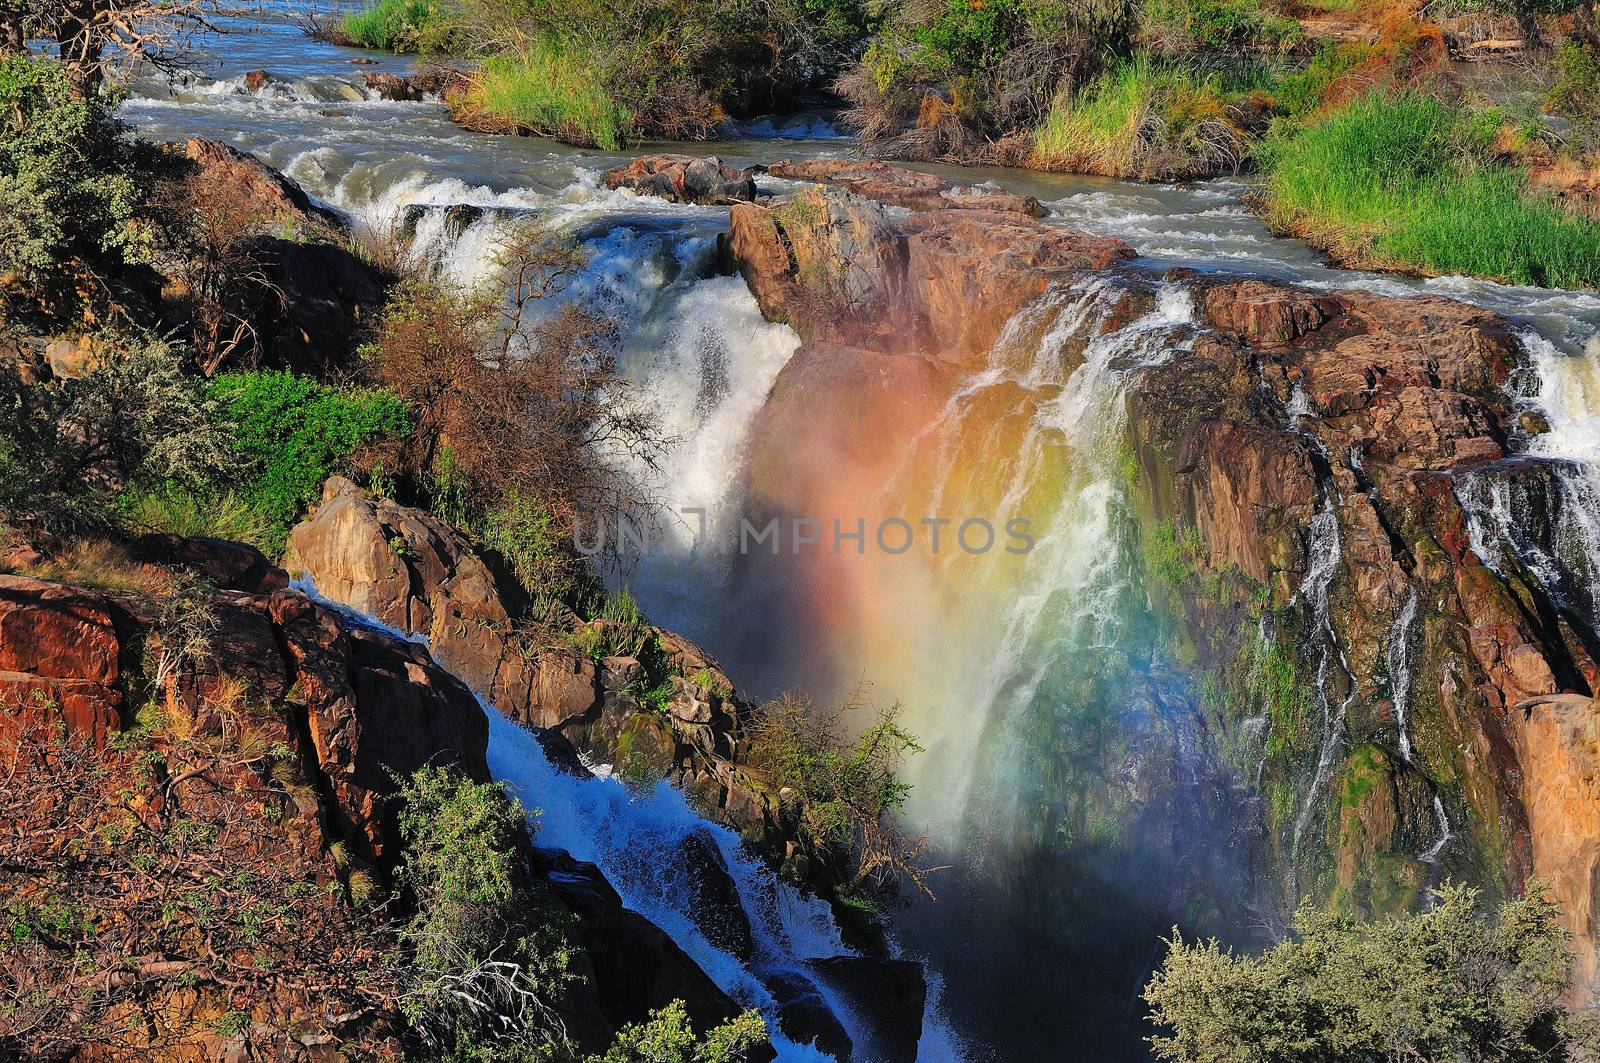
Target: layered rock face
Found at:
286, 740
1327, 634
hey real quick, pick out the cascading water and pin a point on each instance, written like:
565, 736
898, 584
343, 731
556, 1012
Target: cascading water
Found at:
1398, 654
1008, 665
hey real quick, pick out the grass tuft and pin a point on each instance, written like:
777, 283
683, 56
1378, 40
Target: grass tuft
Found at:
397, 26
1407, 181
553, 90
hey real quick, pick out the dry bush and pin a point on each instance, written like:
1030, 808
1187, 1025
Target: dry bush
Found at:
157, 895
515, 406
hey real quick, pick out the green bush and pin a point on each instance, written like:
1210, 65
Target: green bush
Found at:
553, 89
1221, 24
136, 419
1573, 91
71, 185
852, 788
1406, 181
1447, 984
401, 26
668, 1037
294, 432
490, 956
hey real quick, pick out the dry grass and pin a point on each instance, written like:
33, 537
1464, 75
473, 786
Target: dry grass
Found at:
98, 565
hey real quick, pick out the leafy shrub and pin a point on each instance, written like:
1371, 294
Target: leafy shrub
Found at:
294, 432
668, 1037
1573, 90
400, 26
135, 420
1445, 984
1219, 25
852, 789
489, 956
1406, 180
71, 185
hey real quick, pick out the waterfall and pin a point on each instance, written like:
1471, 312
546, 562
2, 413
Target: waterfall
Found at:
642, 843
1323, 556
1399, 661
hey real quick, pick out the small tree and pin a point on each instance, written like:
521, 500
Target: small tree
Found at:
852, 789
1445, 985
91, 35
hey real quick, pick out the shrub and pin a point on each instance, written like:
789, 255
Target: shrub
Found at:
1445, 984
1573, 91
489, 956
852, 789
294, 432
520, 424
71, 185
135, 420
400, 26
1219, 25
941, 80
1406, 180
668, 1037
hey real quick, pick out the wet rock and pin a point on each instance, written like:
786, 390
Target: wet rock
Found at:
256, 80
683, 179
804, 1016
636, 967
714, 902
390, 86
901, 187
940, 283
888, 995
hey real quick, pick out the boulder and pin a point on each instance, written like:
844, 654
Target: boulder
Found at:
714, 902
60, 660
683, 179
256, 80
390, 86
252, 185
804, 1016
229, 565
888, 996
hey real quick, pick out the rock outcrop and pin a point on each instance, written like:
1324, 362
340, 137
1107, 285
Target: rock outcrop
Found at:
418, 575
683, 179
1292, 428
291, 731
318, 295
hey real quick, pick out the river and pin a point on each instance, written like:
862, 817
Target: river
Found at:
1000, 663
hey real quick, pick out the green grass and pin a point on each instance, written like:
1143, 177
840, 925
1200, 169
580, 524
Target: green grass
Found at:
1406, 181
176, 511
1105, 129
553, 90
397, 25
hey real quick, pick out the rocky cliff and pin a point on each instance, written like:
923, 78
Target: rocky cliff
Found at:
189, 846
1330, 634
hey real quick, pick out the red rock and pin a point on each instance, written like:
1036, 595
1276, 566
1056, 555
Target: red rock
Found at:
683, 179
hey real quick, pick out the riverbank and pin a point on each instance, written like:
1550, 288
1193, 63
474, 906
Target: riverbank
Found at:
1191, 92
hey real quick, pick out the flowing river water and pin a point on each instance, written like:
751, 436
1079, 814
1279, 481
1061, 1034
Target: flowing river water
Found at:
1001, 661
